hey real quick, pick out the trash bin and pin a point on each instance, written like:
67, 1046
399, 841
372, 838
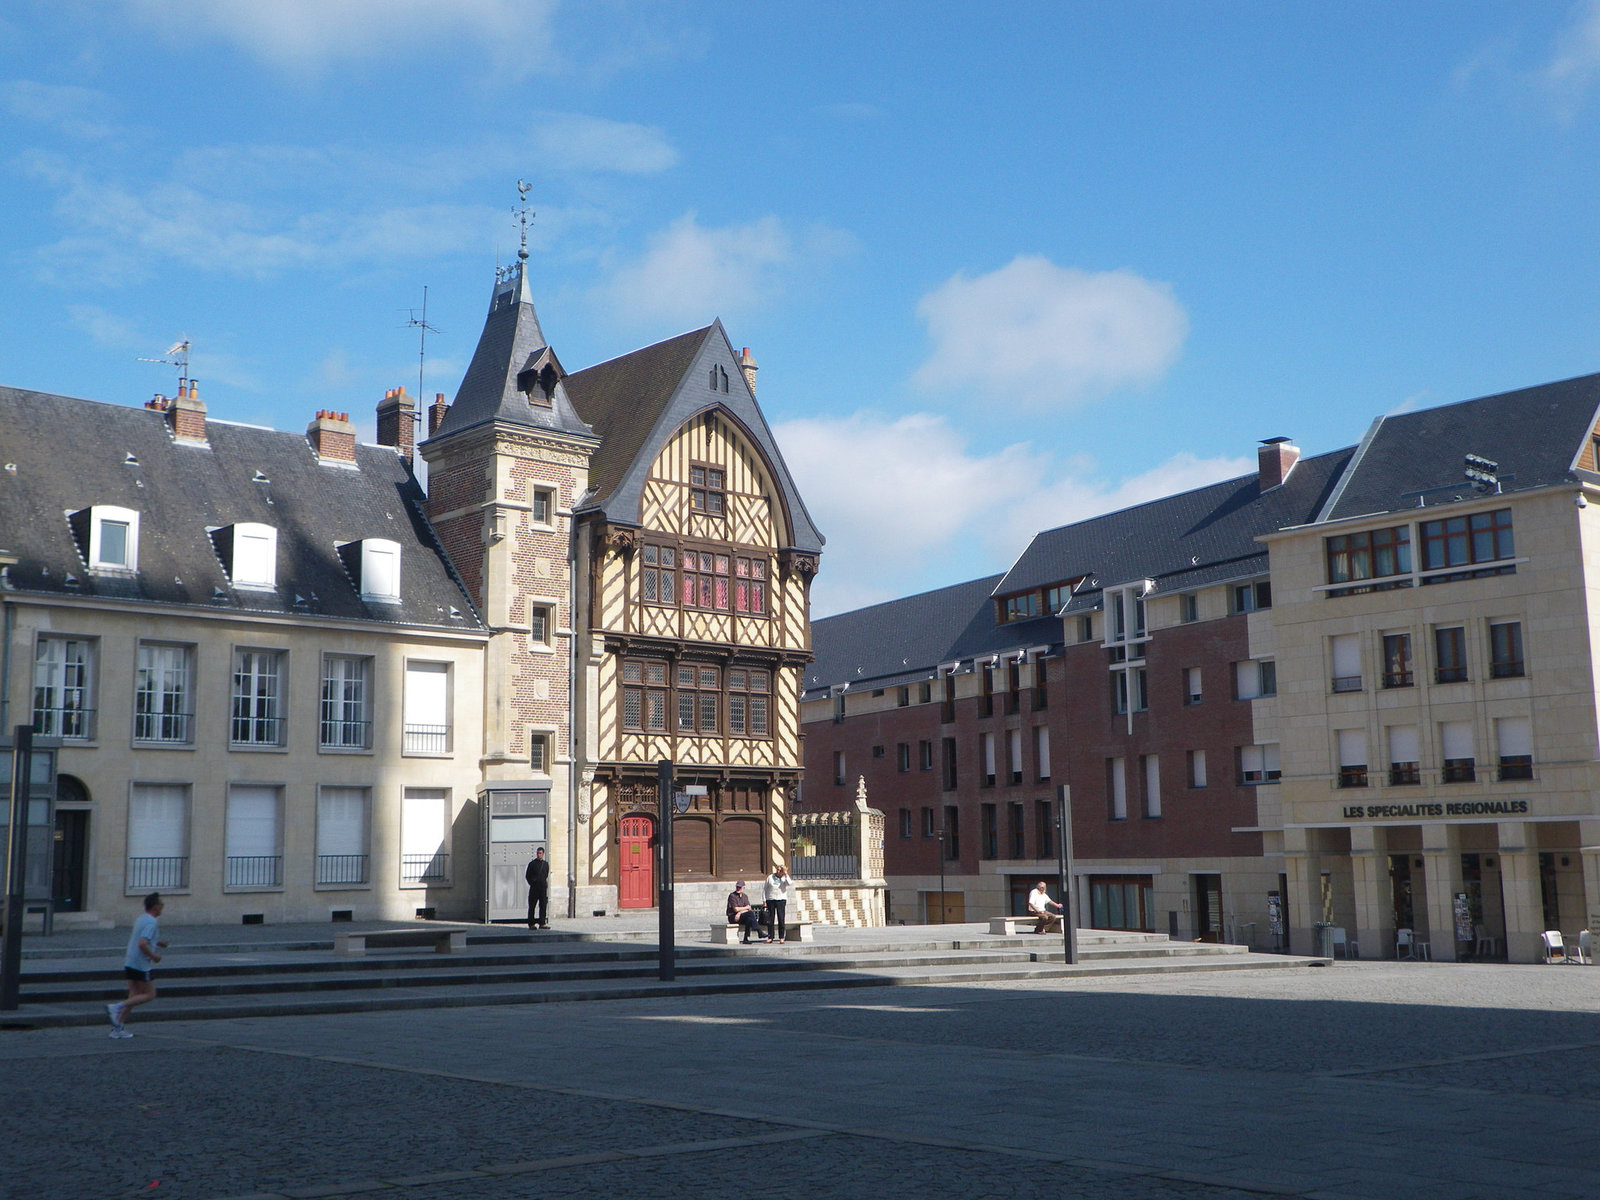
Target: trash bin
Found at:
1321, 940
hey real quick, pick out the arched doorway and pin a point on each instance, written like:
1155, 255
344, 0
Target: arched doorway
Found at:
70, 878
636, 875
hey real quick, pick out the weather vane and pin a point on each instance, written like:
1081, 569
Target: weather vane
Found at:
523, 217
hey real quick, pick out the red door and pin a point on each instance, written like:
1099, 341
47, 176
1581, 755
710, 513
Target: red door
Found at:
636, 884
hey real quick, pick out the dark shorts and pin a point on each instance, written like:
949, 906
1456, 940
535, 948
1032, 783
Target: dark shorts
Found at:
136, 975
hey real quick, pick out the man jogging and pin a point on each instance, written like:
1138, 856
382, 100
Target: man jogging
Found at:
143, 954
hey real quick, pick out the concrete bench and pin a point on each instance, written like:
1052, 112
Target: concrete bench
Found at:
443, 941
723, 934
1010, 925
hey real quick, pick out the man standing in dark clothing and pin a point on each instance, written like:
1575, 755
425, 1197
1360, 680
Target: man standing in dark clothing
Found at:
538, 877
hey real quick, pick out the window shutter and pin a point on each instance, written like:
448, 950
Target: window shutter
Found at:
1404, 745
1352, 748
1346, 656
1515, 737
1456, 738
252, 821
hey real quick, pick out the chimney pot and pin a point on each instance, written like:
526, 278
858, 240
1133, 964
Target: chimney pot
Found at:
397, 422
332, 437
748, 368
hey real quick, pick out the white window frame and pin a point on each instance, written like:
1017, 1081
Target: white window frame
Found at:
253, 832
335, 842
1117, 778
159, 832
425, 858
1197, 768
334, 710
174, 689
1152, 784
254, 551
99, 516
380, 570
257, 699
64, 678
1041, 749
434, 737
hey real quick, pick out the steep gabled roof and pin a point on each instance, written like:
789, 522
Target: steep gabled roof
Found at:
637, 402
511, 346
64, 455
1534, 434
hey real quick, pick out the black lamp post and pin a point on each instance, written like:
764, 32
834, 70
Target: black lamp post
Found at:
942, 828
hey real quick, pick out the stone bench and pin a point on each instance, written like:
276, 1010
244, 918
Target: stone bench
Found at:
723, 934
445, 941
1009, 925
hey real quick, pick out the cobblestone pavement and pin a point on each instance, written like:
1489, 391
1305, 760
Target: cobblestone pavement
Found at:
1363, 1081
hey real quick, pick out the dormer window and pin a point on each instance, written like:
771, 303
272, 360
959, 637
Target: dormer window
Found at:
107, 536
249, 553
375, 565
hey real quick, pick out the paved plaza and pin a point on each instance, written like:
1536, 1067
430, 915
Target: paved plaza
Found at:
1371, 1080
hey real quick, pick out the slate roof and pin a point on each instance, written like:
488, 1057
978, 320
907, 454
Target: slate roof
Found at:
637, 402
1196, 537
62, 455
900, 641
511, 342
1535, 434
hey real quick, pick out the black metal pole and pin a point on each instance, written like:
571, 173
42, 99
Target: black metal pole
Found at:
1069, 924
16, 868
942, 910
666, 934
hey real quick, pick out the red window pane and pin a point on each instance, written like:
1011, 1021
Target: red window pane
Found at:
741, 597
722, 564
744, 567
688, 590
758, 598
722, 594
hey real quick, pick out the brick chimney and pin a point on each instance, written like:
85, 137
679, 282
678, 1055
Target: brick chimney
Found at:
1276, 458
186, 414
436, 412
332, 437
747, 366
397, 427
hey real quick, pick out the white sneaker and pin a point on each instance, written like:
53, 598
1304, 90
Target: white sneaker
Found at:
114, 1011
121, 1033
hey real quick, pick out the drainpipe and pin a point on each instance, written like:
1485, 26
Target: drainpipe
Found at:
9, 625
573, 692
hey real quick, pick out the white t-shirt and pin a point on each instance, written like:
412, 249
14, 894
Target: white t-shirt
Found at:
1037, 899
145, 927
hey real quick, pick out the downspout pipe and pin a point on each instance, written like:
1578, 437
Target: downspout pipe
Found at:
574, 696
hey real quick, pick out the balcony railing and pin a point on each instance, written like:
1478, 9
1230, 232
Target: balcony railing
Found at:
341, 868
1347, 683
1353, 777
257, 731
424, 868
158, 873
1505, 670
163, 727
254, 871
1450, 675
1398, 679
1404, 775
1459, 770
346, 735
1516, 767
427, 739
75, 723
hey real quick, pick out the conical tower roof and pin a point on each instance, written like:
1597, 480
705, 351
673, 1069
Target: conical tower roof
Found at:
514, 376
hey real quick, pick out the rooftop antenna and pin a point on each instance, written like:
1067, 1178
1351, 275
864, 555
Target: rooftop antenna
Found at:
420, 324
177, 356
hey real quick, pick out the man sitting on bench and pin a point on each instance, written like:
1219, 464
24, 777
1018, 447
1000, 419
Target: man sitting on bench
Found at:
1039, 905
741, 914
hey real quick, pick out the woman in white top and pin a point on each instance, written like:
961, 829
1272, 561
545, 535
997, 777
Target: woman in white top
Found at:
778, 887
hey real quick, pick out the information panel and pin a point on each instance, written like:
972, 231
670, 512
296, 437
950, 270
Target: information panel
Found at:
517, 822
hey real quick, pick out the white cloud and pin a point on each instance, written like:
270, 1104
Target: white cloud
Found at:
906, 504
75, 111
1039, 336
690, 272
579, 143
309, 36
1576, 63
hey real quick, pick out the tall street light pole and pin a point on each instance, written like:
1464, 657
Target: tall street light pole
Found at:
1069, 922
942, 828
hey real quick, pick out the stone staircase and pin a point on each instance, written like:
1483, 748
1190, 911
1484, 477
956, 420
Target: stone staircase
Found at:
499, 967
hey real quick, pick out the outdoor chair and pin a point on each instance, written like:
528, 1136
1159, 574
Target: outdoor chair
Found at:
1343, 945
1484, 946
1581, 950
1403, 947
1554, 951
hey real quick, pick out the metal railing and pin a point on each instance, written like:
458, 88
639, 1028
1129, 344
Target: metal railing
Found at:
427, 739
254, 871
158, 873
346, 735
257, 731
162, 727
837, 845
1347, 683
424, 868
341, 868
64, 722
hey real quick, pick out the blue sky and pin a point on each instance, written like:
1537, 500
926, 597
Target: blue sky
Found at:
1003, 265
